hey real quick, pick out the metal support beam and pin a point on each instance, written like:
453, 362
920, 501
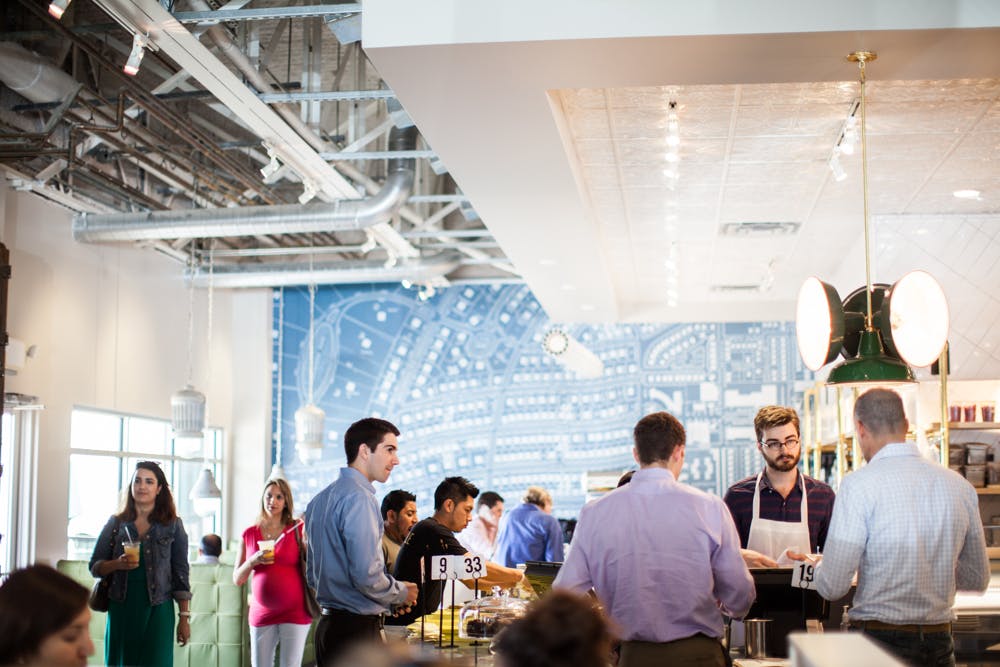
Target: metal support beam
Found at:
265, 13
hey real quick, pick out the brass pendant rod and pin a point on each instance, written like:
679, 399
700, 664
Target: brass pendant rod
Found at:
862, 57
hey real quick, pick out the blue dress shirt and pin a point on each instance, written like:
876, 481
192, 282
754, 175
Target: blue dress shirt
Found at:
345, 563
527, 533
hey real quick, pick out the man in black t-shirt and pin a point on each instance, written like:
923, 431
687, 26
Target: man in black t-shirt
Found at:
453, 506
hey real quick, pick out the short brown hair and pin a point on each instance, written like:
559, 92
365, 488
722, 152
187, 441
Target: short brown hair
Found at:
656, 437
536, 495
775, 415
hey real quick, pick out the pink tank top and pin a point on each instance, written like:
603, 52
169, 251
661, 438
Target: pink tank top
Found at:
277, 588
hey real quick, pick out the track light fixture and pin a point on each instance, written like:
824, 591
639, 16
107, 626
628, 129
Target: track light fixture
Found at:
58, 7
269, 170
139, 43
308, 192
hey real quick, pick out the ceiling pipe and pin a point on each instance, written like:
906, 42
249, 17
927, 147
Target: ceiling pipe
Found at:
415, 270
340, 215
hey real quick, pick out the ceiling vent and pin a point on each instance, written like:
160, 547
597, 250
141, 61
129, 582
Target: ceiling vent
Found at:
759, 229
737, 289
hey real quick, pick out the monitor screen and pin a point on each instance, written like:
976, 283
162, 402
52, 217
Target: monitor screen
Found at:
540, 574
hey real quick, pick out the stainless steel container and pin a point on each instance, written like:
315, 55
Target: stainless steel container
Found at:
757, 631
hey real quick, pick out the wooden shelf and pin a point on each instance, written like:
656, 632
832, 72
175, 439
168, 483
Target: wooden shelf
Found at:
993, 553
966, 426
988, 490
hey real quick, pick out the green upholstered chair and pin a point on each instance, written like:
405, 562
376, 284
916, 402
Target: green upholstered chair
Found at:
220, 636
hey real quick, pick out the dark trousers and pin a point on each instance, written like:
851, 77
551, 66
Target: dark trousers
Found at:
921, 649
339, 630
697, 651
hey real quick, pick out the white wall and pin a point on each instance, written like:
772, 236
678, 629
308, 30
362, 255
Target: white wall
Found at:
110, 324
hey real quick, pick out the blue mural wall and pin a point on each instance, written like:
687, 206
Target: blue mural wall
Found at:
464, 377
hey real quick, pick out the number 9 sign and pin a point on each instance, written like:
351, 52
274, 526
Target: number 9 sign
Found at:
468, 566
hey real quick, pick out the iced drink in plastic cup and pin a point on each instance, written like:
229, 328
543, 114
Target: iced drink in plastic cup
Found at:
267, 546
131, 551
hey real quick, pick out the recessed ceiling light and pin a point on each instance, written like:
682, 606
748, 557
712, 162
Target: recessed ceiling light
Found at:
967, 194
588, 306
568, 288
547, 262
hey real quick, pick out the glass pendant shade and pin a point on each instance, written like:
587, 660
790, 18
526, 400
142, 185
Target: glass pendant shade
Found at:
187, 413
914, 318
819, 323
206, 494
309, 425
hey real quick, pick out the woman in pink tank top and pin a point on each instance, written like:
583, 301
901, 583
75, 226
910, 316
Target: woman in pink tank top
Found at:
278, 612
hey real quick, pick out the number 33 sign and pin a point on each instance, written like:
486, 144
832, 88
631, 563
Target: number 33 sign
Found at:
468, 566
804, 576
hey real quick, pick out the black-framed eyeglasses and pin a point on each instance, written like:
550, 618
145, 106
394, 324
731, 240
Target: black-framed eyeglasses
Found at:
774, 445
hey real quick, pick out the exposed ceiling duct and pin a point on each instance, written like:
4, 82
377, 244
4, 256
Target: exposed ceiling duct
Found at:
340, 215
417, 271
33, 77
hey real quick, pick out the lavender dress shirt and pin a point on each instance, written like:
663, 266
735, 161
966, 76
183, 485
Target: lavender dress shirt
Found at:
663, 558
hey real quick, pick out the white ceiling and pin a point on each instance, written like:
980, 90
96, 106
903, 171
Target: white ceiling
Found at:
559, 142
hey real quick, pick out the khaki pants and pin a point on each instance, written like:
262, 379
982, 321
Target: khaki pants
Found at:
696, 651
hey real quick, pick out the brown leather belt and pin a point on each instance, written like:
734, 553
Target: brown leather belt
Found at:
879, 625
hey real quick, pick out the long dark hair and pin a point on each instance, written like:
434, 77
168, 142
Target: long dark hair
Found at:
36, 602
164, 510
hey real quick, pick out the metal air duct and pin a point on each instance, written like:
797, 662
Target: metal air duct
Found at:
340, 215
32, 76
416, 271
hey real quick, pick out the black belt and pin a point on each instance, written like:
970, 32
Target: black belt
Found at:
891, 627
333, 611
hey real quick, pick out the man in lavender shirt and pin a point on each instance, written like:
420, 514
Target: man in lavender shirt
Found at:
662, 557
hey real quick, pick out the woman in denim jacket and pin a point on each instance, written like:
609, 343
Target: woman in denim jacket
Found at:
140, 625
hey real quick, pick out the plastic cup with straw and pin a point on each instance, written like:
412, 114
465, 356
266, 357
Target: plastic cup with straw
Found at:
131, 547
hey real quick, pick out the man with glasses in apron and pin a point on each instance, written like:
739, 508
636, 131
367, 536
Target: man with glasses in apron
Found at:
779, 508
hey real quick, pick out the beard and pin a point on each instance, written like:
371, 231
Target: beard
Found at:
784, 462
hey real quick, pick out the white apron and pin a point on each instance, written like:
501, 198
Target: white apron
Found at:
770, 537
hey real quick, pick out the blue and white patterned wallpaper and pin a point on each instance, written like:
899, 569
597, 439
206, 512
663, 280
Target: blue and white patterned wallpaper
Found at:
464, 377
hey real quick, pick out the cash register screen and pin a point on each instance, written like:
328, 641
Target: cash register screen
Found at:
540, 575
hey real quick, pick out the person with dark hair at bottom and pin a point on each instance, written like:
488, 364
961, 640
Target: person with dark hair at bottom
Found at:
662, 557
562, 629
210, 549
44, 619
911, 530
480, 536
399, 516
344, 529
144, 587
435, 536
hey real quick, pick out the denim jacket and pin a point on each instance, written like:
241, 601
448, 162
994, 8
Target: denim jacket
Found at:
165, 556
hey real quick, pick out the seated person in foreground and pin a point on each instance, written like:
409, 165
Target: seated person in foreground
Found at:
435, 536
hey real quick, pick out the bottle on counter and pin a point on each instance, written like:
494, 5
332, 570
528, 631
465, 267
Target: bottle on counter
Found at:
845, 621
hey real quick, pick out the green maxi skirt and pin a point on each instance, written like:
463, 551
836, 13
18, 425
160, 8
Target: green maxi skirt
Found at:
138, 635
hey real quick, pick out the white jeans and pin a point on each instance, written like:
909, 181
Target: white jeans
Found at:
265, 639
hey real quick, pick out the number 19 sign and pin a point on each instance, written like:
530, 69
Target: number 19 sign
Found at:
804, 576
468, 566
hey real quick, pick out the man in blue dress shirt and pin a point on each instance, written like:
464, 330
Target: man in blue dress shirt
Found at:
530, 532
344, 529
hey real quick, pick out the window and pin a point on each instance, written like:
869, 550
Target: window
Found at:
104, 448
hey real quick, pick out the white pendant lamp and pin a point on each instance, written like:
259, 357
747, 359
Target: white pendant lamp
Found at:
187, 406
310, 419
206, 494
